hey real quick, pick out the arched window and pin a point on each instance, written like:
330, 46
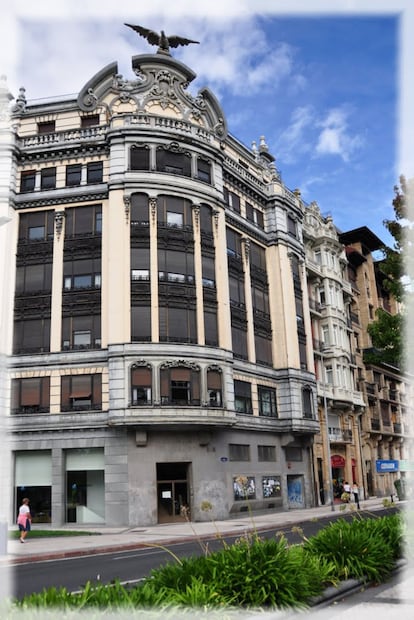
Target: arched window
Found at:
141, 384
307, 403
180, 384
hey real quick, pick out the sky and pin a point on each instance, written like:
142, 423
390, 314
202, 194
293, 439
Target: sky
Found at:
324, 89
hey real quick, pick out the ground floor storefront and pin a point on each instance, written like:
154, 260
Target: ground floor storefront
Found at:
135, 477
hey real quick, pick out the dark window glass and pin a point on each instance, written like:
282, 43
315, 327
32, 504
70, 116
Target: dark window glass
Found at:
233, 243
81, 392
257, 256
141, 323
180, 386
140, 264
89, 121
260, 298
239, 340
83, 221
174, 212
48, 178
173, 163
204, 170
141, 385
249, 212
176, 266
46, 127
140, 158
34, 278
293, 454
73, 174
263, 346
307, 403
243, 396
291, 224
267, 401
259, 219
82, 274
177, 324
208, 271
232, 200
139, 210
236, 285
206, 219
30, 395
28, 180
32, 336
239, 452
210, 327
266, 453
94, 172
81, 332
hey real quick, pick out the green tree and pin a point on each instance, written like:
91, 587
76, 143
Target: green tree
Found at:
387, 330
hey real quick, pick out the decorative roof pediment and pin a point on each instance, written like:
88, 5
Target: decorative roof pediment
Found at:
160, 90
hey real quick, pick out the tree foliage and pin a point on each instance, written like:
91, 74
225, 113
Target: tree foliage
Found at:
387, 330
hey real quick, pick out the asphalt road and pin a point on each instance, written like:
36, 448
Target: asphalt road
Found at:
133, 566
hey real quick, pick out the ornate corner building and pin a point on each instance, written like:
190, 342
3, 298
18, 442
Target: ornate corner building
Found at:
161, 356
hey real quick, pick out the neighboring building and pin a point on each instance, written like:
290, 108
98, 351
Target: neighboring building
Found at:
162, 353
340, 402
385, 424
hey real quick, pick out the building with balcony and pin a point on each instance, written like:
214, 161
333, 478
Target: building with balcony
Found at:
337, 448
159, 341
386, 431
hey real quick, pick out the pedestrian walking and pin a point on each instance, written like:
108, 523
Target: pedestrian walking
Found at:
24, 520
355, 491
346, 495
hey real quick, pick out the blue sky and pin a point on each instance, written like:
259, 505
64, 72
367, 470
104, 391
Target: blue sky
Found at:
323, 89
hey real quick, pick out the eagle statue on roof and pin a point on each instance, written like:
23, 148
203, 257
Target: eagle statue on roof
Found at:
160, 38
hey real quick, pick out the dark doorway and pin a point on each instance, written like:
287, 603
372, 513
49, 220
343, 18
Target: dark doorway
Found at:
172, 492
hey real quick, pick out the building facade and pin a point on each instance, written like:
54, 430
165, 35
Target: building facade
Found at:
386, 425
162, 351
337, 448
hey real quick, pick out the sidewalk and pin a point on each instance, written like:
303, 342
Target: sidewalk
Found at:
109, 539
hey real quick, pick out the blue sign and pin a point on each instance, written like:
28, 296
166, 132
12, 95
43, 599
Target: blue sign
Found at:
383, 467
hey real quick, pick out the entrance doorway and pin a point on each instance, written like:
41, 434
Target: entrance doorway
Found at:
172, 492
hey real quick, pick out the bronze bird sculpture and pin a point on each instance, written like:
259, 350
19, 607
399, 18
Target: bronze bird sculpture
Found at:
164, 43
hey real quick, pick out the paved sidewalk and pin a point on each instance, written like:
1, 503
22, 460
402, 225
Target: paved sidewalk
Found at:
109, 539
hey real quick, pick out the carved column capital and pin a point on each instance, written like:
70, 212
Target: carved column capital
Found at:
59, 218
127, 205
153, 202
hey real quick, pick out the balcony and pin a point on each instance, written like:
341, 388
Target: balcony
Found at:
336, 435
63, 137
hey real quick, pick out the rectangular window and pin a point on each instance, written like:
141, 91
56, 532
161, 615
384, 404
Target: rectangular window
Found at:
141, 323
94, 172
27, 181
32, 336
239, 452
293, 454
31, 395
81, 392
232, 200
243, 396
81, 332
267, 401
46, 127
244, 488
73, 174
173, 162
140, 158
141, 382
233, 243
34, 278
271, 487
82, 274
239, 342
291, 226
82, 221
89, 121
204, 170
266, 453
48, 178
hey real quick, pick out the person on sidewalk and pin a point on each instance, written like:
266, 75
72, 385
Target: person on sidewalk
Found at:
24, 520
355, 491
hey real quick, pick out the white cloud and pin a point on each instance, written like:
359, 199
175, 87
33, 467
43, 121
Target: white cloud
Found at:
334, 138
295, 139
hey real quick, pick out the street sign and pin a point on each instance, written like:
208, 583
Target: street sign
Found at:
386, 466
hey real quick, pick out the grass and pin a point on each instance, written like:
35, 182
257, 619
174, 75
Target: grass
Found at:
15, 534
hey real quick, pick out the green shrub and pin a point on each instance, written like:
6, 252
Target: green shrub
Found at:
356, 548
251, 573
